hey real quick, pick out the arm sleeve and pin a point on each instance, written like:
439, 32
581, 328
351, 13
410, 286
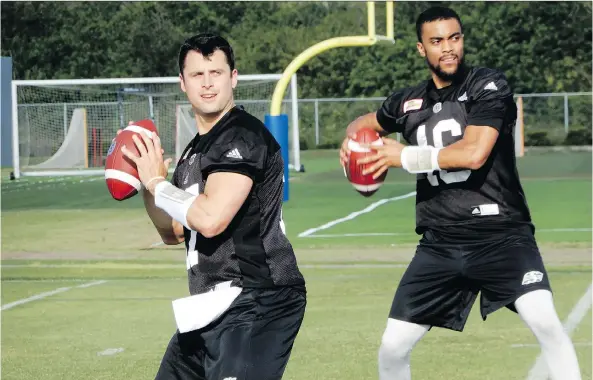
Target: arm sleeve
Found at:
237, 151
389, 113
491, 99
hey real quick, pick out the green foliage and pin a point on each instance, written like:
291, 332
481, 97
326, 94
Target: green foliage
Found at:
541, 46
539, 138
579, 137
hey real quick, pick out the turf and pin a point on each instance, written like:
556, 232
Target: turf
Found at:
68, 232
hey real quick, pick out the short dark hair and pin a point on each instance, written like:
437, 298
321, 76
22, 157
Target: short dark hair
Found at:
434, 14
206, 44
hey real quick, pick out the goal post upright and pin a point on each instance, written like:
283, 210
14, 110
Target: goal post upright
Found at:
15, 131
278, 122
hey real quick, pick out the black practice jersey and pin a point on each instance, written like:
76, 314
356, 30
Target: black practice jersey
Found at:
253, 251
489, 199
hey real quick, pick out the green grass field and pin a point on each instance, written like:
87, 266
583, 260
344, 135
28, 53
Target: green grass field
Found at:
111, 287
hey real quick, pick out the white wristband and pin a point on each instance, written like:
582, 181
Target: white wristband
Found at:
420, 159
173, 201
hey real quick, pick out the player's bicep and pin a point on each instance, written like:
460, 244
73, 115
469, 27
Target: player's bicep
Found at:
480, 140
226, 192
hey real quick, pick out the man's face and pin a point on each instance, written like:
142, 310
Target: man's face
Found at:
442, 46
208, 82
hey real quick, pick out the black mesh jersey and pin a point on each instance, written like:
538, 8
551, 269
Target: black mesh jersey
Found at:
253, 251
488, 200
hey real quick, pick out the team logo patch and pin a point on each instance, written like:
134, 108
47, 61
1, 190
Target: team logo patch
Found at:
437, 107
413, 104
532, 277
192, 158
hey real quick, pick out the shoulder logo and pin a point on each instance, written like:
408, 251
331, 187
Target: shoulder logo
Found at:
437, 107
192, 159
413, 104
491, 86
463, 97
234, 154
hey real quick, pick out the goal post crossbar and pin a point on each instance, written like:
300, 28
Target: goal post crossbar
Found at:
143, 80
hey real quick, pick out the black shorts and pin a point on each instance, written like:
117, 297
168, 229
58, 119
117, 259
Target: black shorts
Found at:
443, 279
252, 341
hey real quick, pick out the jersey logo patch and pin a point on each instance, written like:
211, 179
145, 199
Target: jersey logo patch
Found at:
192, 158
463, 97
412, 105
437, 107
491, 86
532, 277
234, 154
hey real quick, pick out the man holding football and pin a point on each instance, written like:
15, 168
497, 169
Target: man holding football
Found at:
477, 233
224, 201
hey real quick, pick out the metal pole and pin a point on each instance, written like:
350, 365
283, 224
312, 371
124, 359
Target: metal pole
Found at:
565, 114
120, 108
316, 122
150, 108
65, 120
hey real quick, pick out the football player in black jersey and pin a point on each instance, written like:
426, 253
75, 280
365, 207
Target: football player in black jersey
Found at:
225, 202
477, 233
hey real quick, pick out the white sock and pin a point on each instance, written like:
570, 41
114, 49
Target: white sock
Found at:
537, 311
396, 345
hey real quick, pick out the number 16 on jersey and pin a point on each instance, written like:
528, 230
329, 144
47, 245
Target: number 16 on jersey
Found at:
453, 127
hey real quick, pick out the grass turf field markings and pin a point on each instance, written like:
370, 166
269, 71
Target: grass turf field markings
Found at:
413, 233
48, 294
539, 371
110, 351
533, 345
369, 208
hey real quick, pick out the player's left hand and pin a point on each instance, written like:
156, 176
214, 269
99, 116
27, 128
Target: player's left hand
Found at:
385, 156
149, 163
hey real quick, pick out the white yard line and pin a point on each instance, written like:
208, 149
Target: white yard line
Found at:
539, 371
50, 293
353, 215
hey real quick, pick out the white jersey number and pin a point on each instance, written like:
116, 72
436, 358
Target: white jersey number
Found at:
448, 125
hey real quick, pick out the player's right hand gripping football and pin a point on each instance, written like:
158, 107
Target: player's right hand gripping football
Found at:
149, 162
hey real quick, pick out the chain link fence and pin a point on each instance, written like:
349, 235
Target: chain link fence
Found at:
549, 119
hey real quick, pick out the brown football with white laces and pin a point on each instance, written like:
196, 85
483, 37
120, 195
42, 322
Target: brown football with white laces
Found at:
364, 184
121, 174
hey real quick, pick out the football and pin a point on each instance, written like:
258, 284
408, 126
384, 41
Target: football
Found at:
120, 172
364, 184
